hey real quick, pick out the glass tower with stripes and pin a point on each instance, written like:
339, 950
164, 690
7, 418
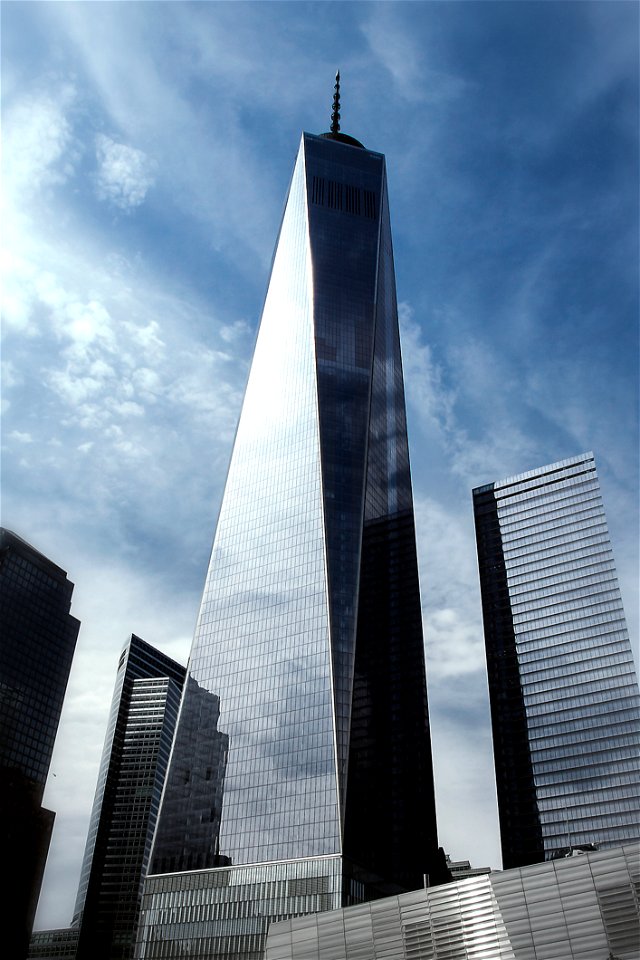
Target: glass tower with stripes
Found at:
309, 638
136, 752
564, 696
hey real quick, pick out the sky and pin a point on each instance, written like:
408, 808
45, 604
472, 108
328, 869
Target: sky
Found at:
147, 153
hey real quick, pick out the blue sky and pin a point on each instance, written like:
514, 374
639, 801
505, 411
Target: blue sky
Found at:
147, 153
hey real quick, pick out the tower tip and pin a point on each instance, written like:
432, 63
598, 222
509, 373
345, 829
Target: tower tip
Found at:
335, 113
334, 133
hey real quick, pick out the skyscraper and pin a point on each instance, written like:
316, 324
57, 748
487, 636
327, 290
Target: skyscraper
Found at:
308, 647
564, 697
134, 762
38, 641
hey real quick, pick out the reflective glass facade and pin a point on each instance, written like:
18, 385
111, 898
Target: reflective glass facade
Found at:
564, 695
309, 638
135, 757
580, 908
36, 651
227, 912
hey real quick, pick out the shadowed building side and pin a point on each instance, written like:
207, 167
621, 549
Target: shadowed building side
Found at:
38, 642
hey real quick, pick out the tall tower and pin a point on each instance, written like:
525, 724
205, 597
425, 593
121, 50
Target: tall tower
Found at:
135, 757
36, 651
564, 696
308, 646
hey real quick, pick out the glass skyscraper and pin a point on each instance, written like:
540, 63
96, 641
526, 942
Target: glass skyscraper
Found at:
564, 696
142, 722
39, 636
301, 776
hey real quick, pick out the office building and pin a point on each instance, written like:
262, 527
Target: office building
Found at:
308, 648
564, 697
58, 944
38, 642
581, 907
140, 730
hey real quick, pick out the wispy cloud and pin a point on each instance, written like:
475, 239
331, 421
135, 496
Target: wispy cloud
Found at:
39, 146
204, 166
105, 367
477, 430
450, 590
427, 391
394, 43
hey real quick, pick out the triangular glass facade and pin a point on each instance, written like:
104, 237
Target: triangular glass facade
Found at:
309, 638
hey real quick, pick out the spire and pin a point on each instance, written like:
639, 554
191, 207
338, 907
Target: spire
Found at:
335, 115
334, 133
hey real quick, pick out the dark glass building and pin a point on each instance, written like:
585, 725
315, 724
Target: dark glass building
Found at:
564, 696
36, 651
309, 642
134, 763
59, 944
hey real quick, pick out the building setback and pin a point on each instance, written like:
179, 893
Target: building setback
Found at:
140, 730
583, 907
38, 641
564, 696
308, 652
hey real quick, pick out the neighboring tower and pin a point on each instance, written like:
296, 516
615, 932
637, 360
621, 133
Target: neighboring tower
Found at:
309, 636
36, 650
564, 696
134, 762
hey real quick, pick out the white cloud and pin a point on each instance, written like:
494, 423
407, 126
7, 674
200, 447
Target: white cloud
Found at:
39, 148
148, 382
88, 322
125, 174
21, 437
106, 367
450, 592
233, 332
431, 399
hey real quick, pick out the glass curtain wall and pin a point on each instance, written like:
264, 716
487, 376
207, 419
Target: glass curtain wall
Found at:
309, 638
564, 693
